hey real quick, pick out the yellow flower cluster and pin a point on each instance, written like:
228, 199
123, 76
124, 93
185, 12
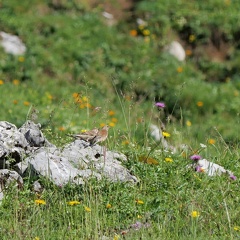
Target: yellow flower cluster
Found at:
82, 101
113, 120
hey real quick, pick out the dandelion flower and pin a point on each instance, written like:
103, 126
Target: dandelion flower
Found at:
72, 203
166, 134
85, 99
114, 120
87, 209
82, 105
192, 38
40, 202
199, 103
116, 237
111, 113
102, 124
26, 103
211, 141
139, 201
111, 124
188, 52
61, 128
21, 59
126, 142
160, 104
179, 69
188, 123
133, 33
236, 228
1, 82
108, 206
195, 157
168, 159
15, 102
195, 214
141, 26
146, 32
75, 95
16, 82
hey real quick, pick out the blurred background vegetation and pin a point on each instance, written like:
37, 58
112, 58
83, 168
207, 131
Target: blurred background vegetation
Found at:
84, 67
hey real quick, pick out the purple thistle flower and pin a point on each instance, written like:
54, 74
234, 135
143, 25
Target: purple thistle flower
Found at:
195, 157
233, 177
160, 104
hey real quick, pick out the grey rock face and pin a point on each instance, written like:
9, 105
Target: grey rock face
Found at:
12, 144
75, 163
7, 177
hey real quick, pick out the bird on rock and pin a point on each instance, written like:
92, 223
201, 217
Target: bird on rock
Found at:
87, 136
101, 135
93, 136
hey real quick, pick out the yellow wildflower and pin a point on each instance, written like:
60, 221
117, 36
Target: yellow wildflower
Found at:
36, 238
111, 124
72, 203
166, 134
139, 201
116, 237
192, 38
16, 82
114, 120
139, 216
111, 113
15, 102
1, 82
236, 228
146, 32
195, 214
141, 26
211, 141
26, 103
87, 105
236, 93
126, 142
108, 206
102, 124
39, 202
82, 105
75, 95
87, 209
85, 99
61, 128
179, 69
199, 103
188, 52
21, 59
133, 33
188, 123
168, 159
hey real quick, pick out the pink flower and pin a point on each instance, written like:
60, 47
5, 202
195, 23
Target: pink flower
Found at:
195, 157
233, 177
199, 169
160, 104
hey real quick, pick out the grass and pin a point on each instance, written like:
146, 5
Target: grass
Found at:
78, 72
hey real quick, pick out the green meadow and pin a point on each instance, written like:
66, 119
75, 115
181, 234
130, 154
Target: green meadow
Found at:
80, 71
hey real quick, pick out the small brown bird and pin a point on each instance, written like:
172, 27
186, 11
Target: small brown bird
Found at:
87, 136
101, 135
